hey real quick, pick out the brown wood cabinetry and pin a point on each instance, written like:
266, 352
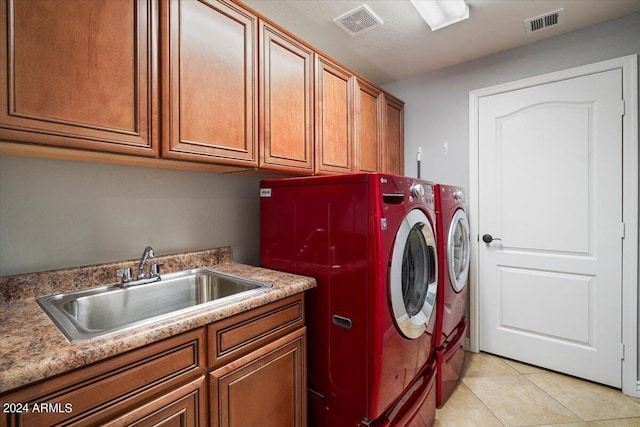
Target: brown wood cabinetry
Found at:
269, 381
393, 146
181, 407
286, 102
334, 115
244, 368
203, 81
259, 366
124, 384
209, 82
368, 127
79, 74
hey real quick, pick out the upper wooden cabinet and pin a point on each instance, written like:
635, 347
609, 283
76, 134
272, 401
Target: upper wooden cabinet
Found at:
393, 146
286, 102
368, 127
209, 82
205, 81
79, 74
334, 115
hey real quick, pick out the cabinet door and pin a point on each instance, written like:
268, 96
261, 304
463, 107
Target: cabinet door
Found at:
393, 147
286, 102
185, 406
334, 107
79, 74
121, 384
368, 127
209, 82
266, 388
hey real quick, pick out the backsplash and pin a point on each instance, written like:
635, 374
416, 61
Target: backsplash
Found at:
32, 285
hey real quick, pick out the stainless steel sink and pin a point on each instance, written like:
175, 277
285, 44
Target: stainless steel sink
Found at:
95, 312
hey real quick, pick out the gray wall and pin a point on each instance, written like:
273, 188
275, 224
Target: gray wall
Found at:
437, 103
56, 213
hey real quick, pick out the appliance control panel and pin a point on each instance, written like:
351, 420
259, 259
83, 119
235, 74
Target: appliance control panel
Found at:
421, 191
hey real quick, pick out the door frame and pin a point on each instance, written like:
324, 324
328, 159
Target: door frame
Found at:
630, 320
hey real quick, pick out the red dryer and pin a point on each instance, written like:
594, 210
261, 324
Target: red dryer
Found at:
369, 241
454, 247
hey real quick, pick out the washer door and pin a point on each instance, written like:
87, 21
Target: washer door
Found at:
458, 250
413, 274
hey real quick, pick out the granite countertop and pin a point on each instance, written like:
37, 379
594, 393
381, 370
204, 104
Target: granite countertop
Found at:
32, 348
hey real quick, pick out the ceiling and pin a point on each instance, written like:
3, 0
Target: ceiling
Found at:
404, 46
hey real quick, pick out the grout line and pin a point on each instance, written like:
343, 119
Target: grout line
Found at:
551, 397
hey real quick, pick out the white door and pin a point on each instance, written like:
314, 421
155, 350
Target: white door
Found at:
550, 187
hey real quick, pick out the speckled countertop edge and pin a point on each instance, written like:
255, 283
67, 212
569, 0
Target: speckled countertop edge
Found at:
32, 348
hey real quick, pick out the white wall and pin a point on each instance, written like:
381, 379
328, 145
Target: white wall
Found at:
56, 214
437, 103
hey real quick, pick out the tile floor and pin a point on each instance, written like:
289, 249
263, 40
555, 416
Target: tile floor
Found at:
501, 392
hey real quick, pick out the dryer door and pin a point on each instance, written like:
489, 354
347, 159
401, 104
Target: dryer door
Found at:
458, 250
413, 274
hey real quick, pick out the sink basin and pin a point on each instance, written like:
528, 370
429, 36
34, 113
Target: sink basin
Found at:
96, 312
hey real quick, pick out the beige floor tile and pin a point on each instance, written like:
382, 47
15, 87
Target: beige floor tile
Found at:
624, 422
485, 365
576, 424
587, 400
516, 401
464, 409
524, 368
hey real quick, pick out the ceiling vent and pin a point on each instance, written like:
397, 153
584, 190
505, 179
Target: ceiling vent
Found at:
358, 21
542, 22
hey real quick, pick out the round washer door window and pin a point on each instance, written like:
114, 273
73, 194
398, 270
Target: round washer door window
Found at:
413, 274
458, 250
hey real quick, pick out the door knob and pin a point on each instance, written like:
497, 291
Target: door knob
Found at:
488, 238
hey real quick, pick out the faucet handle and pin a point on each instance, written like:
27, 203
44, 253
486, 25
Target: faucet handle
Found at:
154, 269
125, 274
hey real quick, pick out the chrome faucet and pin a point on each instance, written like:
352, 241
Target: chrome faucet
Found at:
148, 253
127, 279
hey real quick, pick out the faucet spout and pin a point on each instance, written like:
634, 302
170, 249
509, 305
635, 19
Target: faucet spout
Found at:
148, 253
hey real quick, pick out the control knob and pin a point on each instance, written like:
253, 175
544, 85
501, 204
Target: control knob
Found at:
417, 190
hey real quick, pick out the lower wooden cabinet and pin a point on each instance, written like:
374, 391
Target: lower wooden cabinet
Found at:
105, 390
245, 368
185, 406
266, 388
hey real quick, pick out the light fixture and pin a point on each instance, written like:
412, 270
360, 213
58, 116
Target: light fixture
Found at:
440, 13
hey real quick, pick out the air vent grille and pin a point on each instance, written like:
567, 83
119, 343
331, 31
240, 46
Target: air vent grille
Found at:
358, 21
542, 22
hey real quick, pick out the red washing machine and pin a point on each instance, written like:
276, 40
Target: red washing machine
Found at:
454, 247
369, 241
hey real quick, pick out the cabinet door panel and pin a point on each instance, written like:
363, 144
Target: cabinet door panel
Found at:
334, 105
393, 157
183, 407
84, 79
212, 98
271, 380
286, 93
368, 125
